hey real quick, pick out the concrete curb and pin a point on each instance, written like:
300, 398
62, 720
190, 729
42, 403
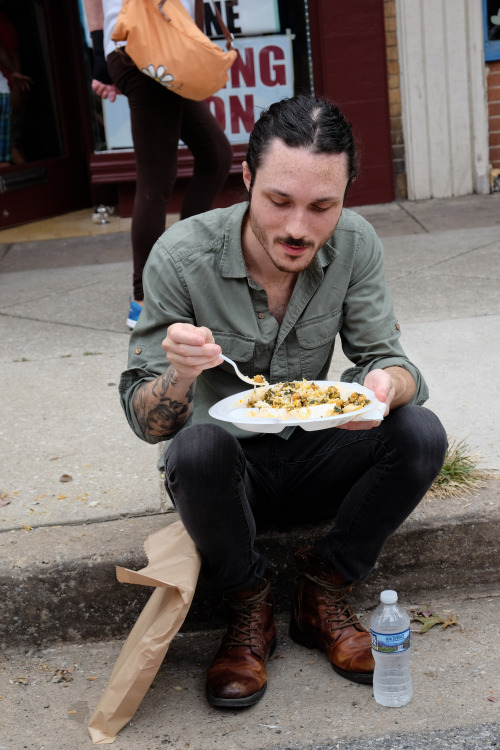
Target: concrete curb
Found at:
59, 582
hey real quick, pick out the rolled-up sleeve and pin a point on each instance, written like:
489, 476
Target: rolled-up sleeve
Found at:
166, 302
370, 332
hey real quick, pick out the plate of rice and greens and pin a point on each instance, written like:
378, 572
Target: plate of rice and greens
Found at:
312, 405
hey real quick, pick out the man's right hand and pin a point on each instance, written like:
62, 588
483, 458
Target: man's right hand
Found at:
190, 350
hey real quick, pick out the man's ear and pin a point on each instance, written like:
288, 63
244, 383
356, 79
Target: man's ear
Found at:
247, 175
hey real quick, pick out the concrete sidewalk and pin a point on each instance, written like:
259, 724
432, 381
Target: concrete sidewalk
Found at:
62, 317
455, 675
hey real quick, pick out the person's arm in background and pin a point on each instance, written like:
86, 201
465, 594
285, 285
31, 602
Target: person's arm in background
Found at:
101, 82
95, 14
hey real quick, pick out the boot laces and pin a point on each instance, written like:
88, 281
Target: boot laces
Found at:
340, 613
243, 629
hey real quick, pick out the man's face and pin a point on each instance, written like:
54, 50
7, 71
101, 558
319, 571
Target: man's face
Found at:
295, 204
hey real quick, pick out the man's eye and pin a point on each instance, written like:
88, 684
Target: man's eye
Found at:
279, 204
320, 208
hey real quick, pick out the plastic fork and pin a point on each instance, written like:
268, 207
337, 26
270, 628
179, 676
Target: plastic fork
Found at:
238, 373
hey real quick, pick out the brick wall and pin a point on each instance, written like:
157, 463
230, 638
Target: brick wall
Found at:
494, 111
393, 83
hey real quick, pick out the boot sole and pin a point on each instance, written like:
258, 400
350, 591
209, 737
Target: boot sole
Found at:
247, 700
364, 678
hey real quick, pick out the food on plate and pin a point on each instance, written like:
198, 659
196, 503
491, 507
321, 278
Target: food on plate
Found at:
260, 380
303, 400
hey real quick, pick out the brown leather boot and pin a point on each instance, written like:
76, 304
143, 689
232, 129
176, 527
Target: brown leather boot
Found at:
322, 619
237, 676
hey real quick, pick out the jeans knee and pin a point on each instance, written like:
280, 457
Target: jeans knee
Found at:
434, 440
203, 449
420, 438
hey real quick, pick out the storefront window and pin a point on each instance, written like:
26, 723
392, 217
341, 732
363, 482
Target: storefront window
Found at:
274, 61
491, 16
25, 50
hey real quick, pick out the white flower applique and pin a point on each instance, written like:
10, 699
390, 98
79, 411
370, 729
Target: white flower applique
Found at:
159, 74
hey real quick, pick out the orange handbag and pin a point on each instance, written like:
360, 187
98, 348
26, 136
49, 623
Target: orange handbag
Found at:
166, 44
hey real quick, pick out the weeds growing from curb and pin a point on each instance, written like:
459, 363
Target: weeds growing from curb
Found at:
460, 472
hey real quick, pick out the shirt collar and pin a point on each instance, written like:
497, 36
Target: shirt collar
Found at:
232, 264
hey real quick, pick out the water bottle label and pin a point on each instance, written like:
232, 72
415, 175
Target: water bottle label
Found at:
390, 643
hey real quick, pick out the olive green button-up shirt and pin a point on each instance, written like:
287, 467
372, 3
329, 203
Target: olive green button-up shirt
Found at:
196, 274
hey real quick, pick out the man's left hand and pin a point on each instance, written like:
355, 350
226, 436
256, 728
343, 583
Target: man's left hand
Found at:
393, 386
384, 388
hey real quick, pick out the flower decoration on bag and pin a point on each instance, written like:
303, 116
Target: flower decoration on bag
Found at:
159, 74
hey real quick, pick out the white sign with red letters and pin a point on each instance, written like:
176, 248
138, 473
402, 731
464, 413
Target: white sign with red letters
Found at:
261, 74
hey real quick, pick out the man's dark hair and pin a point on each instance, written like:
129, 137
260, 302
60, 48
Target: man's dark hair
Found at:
303, 122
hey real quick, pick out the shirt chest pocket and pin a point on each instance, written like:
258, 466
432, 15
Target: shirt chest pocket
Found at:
239, 348
315, 340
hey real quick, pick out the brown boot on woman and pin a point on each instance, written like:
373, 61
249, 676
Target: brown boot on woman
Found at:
321, 618
237, 677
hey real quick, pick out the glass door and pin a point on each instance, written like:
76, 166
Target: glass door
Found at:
41, 58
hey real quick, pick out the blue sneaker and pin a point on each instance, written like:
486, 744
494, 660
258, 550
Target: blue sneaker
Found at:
133, 314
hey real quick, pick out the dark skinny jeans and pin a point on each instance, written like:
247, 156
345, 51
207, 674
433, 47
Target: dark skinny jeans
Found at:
159, 118
367, 481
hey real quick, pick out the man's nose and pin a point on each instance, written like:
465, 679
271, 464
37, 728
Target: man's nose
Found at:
296, 225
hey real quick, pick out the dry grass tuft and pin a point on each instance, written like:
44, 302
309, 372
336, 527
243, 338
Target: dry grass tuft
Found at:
460, 473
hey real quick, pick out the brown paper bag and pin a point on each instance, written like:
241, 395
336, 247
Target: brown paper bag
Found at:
173, 568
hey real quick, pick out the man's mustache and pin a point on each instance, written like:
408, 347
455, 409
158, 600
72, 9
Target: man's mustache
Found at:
294, 242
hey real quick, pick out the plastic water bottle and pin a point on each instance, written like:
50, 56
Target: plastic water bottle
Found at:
390, 633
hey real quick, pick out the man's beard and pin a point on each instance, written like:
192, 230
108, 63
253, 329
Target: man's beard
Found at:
297, 261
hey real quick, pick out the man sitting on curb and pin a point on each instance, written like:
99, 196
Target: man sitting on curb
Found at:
270, 283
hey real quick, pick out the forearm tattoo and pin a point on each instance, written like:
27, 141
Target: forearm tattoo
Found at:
158, 413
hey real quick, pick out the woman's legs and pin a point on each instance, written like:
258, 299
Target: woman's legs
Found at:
155, 118
213, 156
159, 118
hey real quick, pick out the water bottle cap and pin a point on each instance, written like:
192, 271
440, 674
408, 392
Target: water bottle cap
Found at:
388, 597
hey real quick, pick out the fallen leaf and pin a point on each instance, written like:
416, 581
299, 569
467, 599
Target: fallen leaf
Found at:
427, 622
72, 712
91, 679
428, 618
20, 680
66, 478
451, 620
62, 675
492, 699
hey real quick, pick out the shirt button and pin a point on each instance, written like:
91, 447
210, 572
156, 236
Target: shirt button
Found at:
138, 350
262, 315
